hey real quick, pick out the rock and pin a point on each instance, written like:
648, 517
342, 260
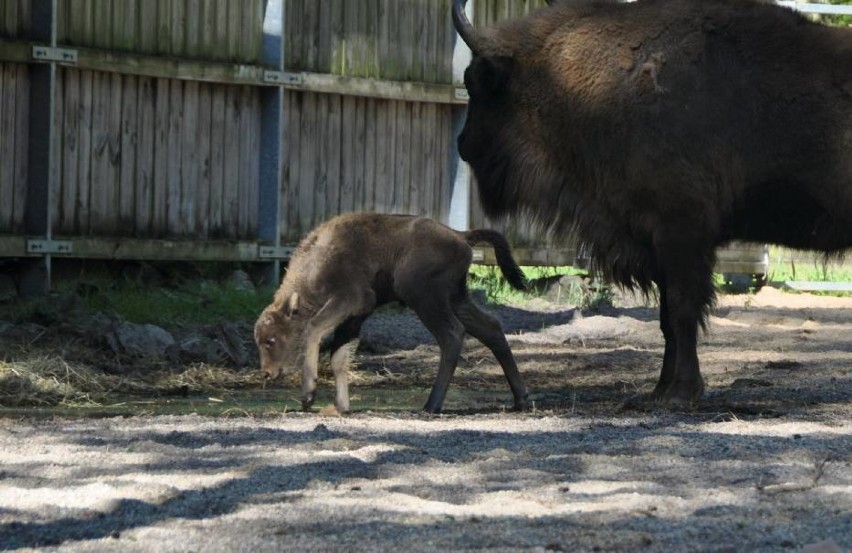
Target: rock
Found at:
568, 289
8, 289
233, 341
148, 341
201, 349
240, 280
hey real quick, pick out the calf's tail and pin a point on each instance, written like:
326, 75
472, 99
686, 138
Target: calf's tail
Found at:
503, 252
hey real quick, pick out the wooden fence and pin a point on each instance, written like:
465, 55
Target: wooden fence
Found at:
217, 129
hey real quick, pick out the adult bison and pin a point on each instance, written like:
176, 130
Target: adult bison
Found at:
659, 130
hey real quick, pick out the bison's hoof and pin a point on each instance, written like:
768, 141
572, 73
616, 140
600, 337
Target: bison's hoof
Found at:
307, 402
682, 394
432, 409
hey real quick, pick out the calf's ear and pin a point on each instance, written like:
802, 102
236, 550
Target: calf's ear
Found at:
292, 305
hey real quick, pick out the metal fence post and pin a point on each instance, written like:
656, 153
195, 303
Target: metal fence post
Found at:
271, 100
36, 273
460, 177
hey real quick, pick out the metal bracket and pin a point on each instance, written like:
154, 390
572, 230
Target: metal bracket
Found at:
49, 53
283, 77
460, 93
47, 247
273, 252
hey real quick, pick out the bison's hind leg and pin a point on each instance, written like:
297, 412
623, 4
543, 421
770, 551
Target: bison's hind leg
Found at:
488, 330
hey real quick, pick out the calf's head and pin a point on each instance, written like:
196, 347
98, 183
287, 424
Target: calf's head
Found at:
278, 334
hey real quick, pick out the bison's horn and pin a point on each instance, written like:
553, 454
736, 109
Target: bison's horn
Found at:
463, 26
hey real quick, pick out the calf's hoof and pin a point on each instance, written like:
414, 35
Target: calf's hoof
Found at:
521, 403
307, 402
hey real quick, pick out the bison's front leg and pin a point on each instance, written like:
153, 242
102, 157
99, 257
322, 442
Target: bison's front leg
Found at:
331, 315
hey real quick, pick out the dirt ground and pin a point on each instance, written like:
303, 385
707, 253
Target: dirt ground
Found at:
764, 463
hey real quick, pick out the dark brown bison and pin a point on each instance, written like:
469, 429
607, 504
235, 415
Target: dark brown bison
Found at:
353, 263
659, 130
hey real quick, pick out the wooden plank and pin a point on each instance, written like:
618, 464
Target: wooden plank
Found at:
100, 150
235, 11
370, 155
103, 24
117, 35
204, 134
126, 25
146, 133
164, 27
207, 46
308, 155
383, 186
324, 40
189, 157
360, 193
147, 20
174, 223
445, 150
7, 145
22, 131
403, 156
251, 32
231, 184
178, 29
54, 198
292, 37
290, 166
349, 154
245, 181
431, 185
254, 111
113, 168
9, 25
320, 172
310, 30
217, 162
193, 18
128, 151
333, 154
161, 157
70, 132
83, 223
415, 181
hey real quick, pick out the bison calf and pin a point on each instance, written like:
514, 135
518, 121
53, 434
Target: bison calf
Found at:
353, 263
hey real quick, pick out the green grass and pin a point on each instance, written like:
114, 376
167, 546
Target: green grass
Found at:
497, 290
167, 305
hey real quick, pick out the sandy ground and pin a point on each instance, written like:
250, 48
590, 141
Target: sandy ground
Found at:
762, 464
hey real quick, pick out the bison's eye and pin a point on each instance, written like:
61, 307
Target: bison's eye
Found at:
269, 343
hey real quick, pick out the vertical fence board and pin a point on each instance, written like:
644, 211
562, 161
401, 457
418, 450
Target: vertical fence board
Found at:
175, 225
113, 154
7, 143
22, 130
254, 111
307, 162
54, 198
200, 228
403, 158
244, 180
189, 157
217, 162
231, 184
333, 155
293, 167
100, 151
129, 149
193, 21
384, 182
320, 173
416, 183
370, 157
349, 151
161, 158
146, 132
83, 223
148, 26
64, 223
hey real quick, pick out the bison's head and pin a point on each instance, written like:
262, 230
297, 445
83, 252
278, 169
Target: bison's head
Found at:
278, 334
503, 138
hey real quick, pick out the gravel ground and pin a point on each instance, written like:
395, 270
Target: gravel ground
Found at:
763, 464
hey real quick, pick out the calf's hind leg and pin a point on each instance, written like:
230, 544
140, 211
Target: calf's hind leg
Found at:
488, 330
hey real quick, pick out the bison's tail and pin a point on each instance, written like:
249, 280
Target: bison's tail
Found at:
503, 252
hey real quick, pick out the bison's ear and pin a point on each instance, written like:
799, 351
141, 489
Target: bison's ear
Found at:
292, 306
487, 76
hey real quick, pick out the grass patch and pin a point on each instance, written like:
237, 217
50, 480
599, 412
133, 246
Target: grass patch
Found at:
498, 290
